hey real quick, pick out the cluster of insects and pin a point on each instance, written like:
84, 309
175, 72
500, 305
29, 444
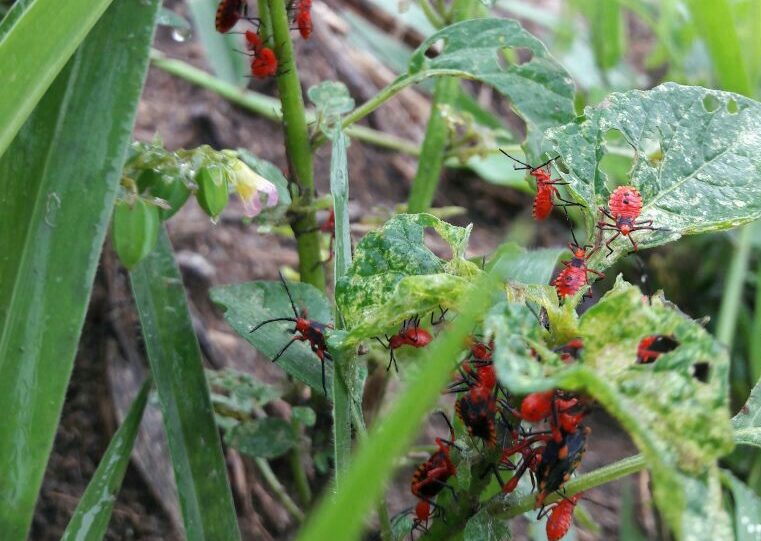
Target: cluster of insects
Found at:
264, 62
541, 433
621, 216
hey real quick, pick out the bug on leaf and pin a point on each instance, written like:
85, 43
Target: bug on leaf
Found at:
559, 517
410, 334
575, 273
624, 207
559, 461
305, 330
229, 12
547, 194
652, 347
478, 409
431, 476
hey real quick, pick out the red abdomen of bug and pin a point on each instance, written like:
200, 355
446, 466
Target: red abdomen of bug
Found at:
543, 202
625, 202
561, 518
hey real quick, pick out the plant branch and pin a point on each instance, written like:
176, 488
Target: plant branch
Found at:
733, 288
271, 479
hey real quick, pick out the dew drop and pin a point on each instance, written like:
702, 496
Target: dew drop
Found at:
181, 35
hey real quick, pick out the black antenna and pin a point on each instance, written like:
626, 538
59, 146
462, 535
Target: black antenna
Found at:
293, 305
573, 235
524, 164
449, 424
263, 323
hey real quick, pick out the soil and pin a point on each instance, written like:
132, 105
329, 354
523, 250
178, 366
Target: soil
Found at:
228, 252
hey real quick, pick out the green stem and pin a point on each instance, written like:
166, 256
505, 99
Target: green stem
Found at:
433, 17
268, 107
755, 334
297, 146
299, 475
271, 479
731, 301
431, 160
388, 92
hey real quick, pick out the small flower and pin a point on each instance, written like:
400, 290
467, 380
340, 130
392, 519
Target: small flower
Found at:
251, 188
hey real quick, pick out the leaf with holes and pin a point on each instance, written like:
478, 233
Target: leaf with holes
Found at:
540, 90
747, 508
248, 304
675, 408
696, 163
395, 276
747, 423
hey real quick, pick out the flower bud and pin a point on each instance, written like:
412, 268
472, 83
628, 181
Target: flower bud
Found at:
135, 231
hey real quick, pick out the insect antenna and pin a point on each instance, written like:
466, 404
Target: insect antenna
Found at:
263, 323
524, 164
288, 291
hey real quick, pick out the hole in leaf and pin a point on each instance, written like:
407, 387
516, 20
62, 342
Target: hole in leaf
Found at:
522, 55
711, 103
617, 161
435, 49
701, 371
436, 244
732, 106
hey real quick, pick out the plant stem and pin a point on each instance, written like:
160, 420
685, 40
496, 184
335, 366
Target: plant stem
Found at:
273, 482
733, 288
299, 475
269, 107
388, 92
433, 17
754, 349
431, 160
297, 146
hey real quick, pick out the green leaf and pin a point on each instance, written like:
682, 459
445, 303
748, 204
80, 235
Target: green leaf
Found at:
696, 163
483, 526
747, 508
175, 359
63, 33
244, 393
90, 519
540, 90
304, 415
526, 266
394, 275
675, 409
220, 49
747, 422
605, 22
59, 184
331, 100
265, 438
248, 304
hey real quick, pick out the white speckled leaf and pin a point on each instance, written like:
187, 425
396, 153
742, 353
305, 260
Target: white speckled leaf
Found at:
485, 527
680, 423
250, 303
540, 90
697, 162
747, 508
747, 422
394, 275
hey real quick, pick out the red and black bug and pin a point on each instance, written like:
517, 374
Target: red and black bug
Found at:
303, 18
263, 60
571, 351
652, 347
431, 476
560, 517
547, 194
559, 461
410, 334
530, 458
478, 409
306, 330
564, 412
229, 12
625, 205
575, 273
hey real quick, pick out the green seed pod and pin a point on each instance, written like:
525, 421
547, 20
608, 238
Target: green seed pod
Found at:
172, 190
135, 231
212, 192
147, 179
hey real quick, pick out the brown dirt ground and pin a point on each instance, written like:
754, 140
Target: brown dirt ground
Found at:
186, 116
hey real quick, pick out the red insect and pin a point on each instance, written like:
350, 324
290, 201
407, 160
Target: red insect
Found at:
559, 460
303, 18
431, 476
652, 347
531, 457
547, 193
560, 517
563, 413
229, 12
625, 205
575, 274
410, 334
571, 351
478, 409
306, 330
263, 59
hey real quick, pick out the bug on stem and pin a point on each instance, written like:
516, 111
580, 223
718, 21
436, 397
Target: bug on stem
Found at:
305, 330
560, 517
431, 476
229, 12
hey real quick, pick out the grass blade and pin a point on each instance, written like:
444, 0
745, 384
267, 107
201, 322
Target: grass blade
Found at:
62, 35
175, 359
90, 519
59, 181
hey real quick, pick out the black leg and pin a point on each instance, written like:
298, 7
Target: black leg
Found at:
276, 357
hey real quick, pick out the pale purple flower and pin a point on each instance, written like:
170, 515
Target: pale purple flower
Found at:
253, 190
